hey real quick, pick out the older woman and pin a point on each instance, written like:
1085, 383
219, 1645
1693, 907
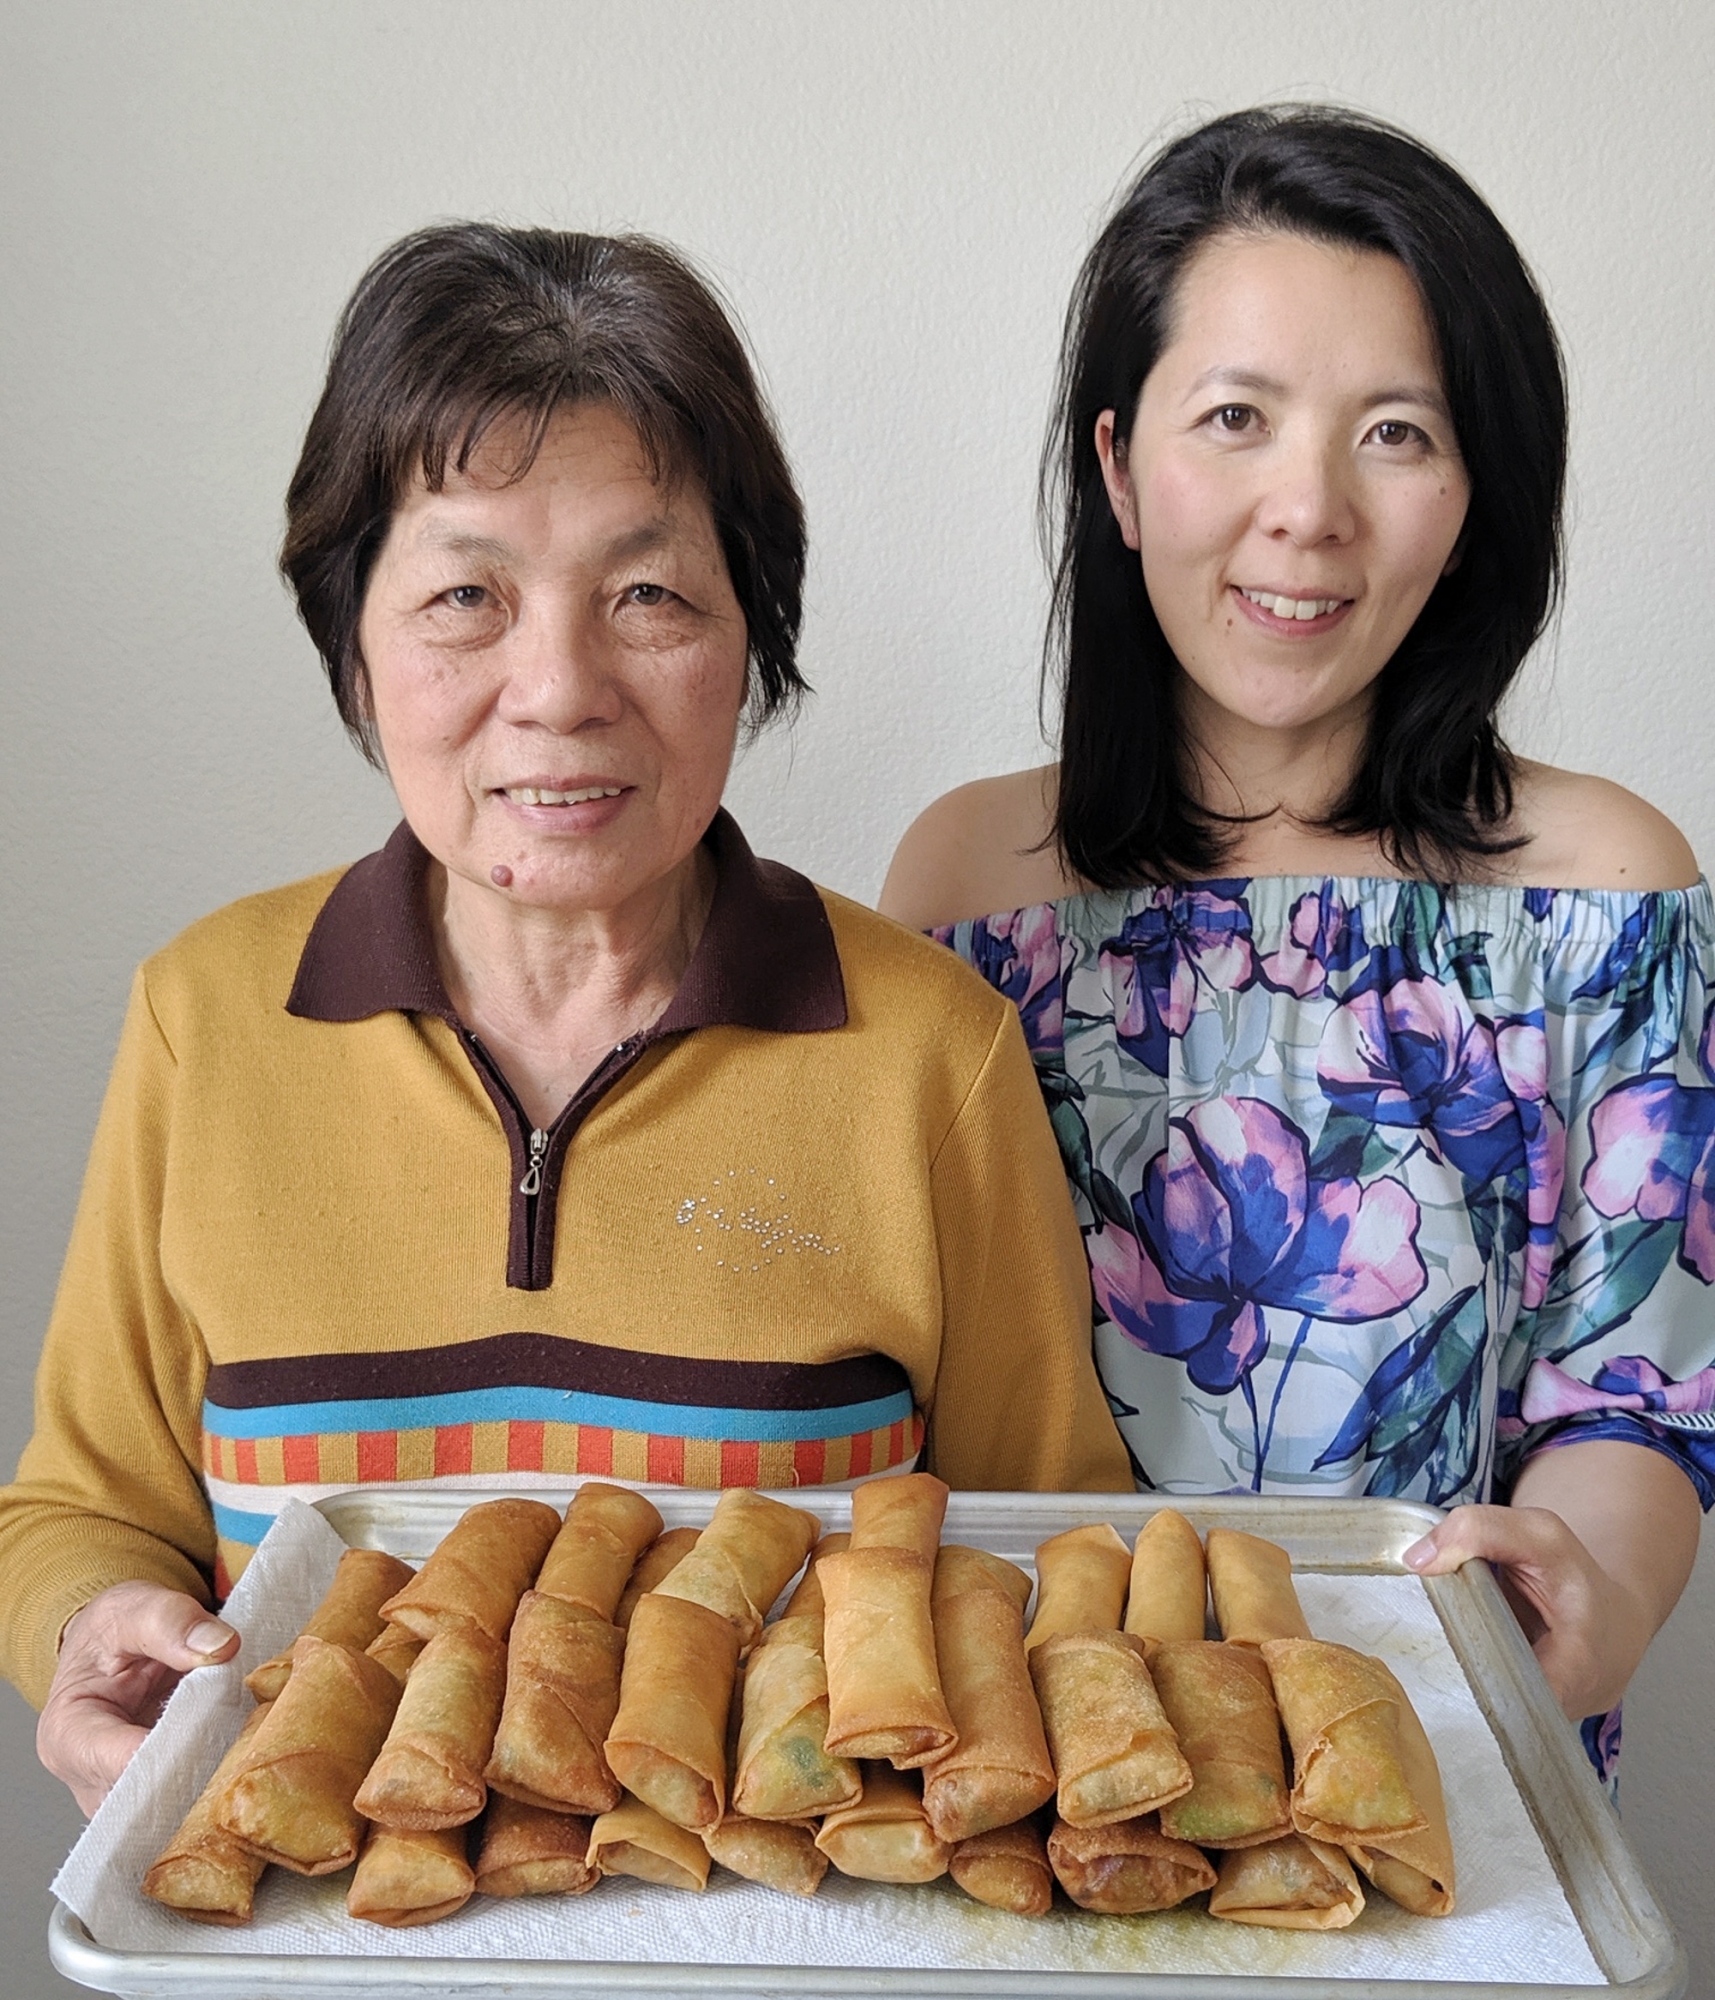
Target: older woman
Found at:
562, 1136
1388, 1186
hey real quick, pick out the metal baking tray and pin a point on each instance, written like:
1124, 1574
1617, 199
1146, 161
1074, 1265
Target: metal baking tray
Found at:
1623, 1923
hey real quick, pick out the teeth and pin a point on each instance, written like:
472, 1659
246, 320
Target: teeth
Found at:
533, 795
1299, 608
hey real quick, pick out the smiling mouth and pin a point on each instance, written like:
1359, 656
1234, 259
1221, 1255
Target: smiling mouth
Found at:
537, 795
1301, 609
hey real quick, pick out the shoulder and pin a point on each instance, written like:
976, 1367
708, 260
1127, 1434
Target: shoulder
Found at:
248, 949
912, 994
1586, 832
978, 850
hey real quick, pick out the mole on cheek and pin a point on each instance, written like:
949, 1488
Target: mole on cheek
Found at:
500, 875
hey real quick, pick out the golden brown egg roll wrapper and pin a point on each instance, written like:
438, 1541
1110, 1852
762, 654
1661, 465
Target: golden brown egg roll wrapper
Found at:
395, 1649
1221, 1706
349, 1615
1168, 1593
782, 1769
429, 1775
202, 1872
562, 1693
1081, 1579
410, 1878
590, 1560
807, 1599
659, 1560
527, 1851
773, 1852
668, 1740
1128, 1869
1290, 1884
884, 1685
290, 1798
485, 1563
999, 1770
903, 1511
1250, 1581
1342, 1714
885, 1837
634, 1839
1413, 1869
1112, 1745
743, 1559
1007, 1868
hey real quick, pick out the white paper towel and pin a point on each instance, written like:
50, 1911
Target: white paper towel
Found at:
1512, 1922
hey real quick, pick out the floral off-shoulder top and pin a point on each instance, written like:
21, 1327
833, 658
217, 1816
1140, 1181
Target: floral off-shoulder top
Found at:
1383, 1188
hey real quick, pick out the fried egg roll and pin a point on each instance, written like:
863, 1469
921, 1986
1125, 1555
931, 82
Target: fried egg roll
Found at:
590, 1560
743, 1559
1168, 1595
659, 1560
202, 1872
1342, 1712
410, 1878
290, 1798
779, 1855
1414, 1869
808, 1599
1290, 1884
349, 1615
1251, 1583
485, 1563
904, 1511
429, 1775
1113, 1747
395, 1649
885, 1837
884, 1684
1007, 1868
562, 1693
668, 1740
1221, 1706
528, 1852
782, 1769
1081, 1579
1127, 1869
634, 1839
999, 1769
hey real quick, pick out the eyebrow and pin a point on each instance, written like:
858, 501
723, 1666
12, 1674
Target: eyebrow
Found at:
647, 535
1420, 393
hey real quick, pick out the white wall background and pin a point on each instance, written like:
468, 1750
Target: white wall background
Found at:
895, 196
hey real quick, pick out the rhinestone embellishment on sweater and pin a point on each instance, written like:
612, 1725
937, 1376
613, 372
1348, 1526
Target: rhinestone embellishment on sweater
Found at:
745, 1218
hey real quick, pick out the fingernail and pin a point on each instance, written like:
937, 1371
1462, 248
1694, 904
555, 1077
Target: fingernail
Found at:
209, 1638
1419, 1555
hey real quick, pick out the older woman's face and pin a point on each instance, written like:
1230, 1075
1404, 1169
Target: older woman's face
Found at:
556, 667
1293, 483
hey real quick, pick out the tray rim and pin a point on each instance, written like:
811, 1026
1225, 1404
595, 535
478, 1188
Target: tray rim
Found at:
1610, 1897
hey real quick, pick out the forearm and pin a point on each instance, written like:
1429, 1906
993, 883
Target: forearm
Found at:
1634, 1511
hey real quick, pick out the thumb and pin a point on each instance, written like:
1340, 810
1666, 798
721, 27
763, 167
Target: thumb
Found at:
140, 1620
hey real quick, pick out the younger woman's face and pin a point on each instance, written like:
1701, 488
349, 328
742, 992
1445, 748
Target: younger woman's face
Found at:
1292, 482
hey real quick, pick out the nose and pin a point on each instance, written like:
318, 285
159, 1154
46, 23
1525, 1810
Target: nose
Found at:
1308, 498
561, 674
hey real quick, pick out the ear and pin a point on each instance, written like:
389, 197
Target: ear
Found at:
1116, 476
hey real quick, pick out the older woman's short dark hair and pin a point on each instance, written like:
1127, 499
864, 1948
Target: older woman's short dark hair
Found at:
1436, 780
457, 328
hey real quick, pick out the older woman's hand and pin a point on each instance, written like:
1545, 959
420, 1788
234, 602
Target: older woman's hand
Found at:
120, 1658
1592, 1555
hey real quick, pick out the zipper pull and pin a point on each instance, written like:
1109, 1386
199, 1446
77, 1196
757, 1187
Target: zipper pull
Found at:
532, 1181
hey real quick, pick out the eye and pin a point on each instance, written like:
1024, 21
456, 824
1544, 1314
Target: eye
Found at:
466, 596
647, 594
1395, 432
1234, 419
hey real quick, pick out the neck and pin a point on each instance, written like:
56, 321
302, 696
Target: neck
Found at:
1257, 772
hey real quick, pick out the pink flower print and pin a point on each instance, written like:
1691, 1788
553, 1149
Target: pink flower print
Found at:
1022, 956
1521, 1048
1180, 942
1323, 935
1653, 1156
1231, 1220
1413, 1054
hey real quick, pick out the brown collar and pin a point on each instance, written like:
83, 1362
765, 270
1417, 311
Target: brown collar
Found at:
766, 958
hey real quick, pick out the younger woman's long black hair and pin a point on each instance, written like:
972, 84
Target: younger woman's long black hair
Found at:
1435, 782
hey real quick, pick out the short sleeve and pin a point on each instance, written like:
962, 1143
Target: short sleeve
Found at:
1615, 1078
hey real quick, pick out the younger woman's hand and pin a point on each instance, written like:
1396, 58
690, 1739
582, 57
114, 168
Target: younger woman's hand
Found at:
120, 1658
1587, 1630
